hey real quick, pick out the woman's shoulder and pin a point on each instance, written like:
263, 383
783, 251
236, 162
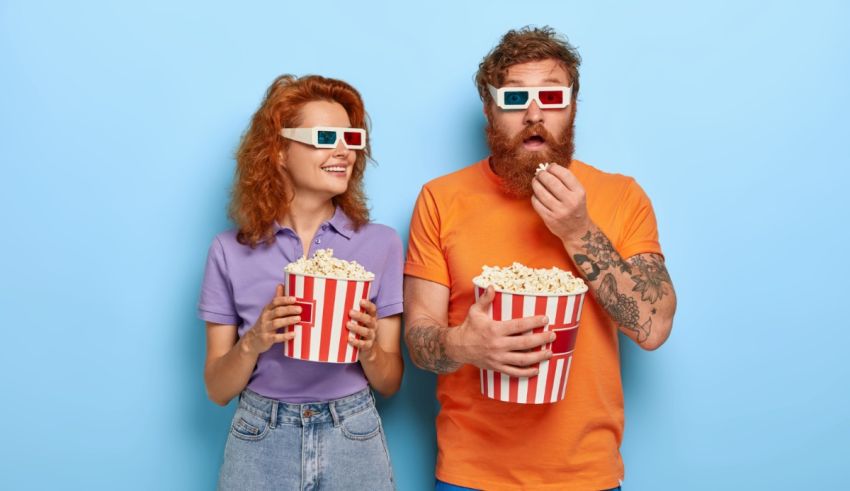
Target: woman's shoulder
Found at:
226, 238
225, 242
378, 229
383, 234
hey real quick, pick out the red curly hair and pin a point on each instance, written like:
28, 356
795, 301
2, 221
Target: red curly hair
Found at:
261, 186
524, 45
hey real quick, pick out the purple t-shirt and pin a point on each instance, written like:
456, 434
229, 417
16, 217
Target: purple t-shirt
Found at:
240, 281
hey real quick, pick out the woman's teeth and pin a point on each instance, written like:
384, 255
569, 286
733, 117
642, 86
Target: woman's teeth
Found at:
333, 169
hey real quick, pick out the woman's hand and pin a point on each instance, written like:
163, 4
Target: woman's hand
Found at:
364, 330
281, 312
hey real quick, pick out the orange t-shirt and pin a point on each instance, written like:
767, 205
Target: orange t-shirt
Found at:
463, 221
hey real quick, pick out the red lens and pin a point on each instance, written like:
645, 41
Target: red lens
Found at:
551, 96
353, 138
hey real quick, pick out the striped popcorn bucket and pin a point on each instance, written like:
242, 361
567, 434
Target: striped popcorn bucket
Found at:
550, 384
325, 302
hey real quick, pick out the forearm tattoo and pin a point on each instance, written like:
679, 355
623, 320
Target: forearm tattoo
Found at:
651, 279
428, 348
622, 308
649, 275
600, 256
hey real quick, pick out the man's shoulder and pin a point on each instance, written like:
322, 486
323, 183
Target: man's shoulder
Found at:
596, 180
456, 181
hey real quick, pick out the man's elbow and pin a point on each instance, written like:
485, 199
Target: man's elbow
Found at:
657, 338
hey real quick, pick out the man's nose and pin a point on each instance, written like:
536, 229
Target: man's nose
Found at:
533, 114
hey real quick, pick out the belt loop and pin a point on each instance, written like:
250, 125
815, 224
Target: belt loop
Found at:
273, 418
334, 415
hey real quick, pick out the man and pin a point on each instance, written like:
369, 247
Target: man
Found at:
497, 211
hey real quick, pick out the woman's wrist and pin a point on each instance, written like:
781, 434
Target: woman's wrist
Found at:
245, 348
372, 355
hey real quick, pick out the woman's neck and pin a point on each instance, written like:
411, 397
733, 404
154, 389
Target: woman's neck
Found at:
305, 216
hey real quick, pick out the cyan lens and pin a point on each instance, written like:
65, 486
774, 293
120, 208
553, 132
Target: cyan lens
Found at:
327, 137
516, 97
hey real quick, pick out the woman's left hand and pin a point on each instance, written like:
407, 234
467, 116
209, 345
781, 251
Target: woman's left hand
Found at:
364, 329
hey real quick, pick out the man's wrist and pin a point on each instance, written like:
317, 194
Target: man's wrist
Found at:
575, 240
452, 345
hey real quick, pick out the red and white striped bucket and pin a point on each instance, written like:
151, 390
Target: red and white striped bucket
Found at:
550, 384
325, 303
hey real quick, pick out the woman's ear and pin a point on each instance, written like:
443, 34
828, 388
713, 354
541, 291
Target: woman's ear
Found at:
281, 160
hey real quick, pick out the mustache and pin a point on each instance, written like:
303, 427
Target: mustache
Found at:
536, 129
515, 165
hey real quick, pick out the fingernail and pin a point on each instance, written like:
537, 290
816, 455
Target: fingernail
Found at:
545, 320
297, 310
552, 337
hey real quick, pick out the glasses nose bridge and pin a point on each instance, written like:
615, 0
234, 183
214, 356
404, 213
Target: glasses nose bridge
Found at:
533, 113
341, 145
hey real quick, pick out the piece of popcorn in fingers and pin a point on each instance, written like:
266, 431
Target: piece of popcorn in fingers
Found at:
541, 167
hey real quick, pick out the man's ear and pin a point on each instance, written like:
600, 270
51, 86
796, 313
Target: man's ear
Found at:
487, 109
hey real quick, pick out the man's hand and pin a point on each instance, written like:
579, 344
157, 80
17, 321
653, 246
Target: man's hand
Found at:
560, 201
498, 345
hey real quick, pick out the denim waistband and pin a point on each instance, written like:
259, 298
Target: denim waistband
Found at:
308, 413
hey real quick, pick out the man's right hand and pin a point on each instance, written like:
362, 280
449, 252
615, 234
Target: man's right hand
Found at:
281, 312
499, 345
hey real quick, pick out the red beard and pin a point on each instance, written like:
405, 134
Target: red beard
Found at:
516, 166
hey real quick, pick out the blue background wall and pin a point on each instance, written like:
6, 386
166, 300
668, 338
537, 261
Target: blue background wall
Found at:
117, 128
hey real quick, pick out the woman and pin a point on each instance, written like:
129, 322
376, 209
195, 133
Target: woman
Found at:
297, 190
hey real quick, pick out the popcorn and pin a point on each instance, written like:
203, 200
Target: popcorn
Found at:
541, 167
521, 279
324, 264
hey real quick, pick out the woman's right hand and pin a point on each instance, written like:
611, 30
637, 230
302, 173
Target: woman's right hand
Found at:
281, 312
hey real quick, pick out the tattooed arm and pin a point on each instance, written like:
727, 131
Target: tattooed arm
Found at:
637, 292
479, 340
426, 313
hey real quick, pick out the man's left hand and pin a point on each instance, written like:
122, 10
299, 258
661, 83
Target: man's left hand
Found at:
559, 199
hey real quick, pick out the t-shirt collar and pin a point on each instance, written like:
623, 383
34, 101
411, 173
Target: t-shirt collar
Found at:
339, 223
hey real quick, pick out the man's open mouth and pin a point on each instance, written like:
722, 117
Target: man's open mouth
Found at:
534, 142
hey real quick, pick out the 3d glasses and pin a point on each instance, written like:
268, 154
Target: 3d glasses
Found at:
327, 136
521, 97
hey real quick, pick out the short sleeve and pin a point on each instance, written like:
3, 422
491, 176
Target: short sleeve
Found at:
216, 303
425, 258
639, 229
389, 299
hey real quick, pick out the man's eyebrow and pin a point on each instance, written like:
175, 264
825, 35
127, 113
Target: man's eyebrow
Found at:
515, 82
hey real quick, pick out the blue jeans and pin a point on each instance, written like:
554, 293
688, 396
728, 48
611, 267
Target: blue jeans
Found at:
444, 486
334, 445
